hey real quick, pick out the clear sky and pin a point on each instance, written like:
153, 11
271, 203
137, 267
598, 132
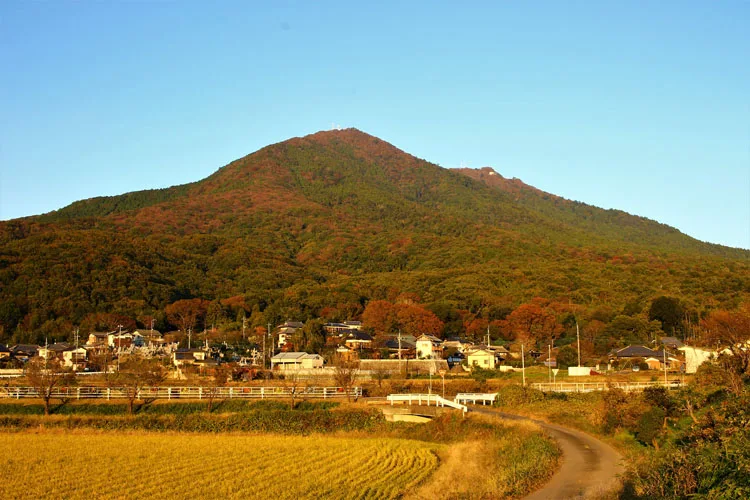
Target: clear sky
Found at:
641, 106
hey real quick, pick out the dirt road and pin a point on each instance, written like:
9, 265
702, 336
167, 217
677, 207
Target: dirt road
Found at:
590, 468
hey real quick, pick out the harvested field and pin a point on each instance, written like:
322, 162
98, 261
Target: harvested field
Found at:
90, 464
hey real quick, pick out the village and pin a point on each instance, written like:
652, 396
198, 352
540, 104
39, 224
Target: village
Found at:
346, 343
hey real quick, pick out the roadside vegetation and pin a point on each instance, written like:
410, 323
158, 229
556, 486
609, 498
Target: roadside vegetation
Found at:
692, 442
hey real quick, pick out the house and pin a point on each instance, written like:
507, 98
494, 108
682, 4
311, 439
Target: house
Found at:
75, 358
296, 361
455, 359
501, 353
358, 340
287, 330
460, 345
97, 339
346, 354
354, 325
429, 347
657, 363
481, 358
695, 356
54, 350
190, 356
336, 329
633, 351
139, 339
119, 340
405, 347
24, 352
70, 356
4, 351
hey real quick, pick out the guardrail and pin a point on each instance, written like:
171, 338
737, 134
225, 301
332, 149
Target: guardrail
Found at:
184, 392
426, 399
466, 397
602, 386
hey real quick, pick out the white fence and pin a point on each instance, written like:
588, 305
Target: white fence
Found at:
602, 386
465, 398
426, 399
185, 392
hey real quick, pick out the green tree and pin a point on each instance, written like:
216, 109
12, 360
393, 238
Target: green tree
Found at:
669, 312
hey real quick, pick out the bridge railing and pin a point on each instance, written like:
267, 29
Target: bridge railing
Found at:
427, 399
474, 398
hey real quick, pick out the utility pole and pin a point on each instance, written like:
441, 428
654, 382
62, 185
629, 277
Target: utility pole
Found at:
76, 337
549, 362
190, 335
243, 327
265, 335
119, 346
578, 338
488, 335
523, 367
664, 350
152, 326
399, 344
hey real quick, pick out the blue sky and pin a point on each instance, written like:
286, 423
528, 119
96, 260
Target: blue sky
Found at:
640, 106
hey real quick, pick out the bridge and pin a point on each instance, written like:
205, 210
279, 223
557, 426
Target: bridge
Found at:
475, 398
427, 399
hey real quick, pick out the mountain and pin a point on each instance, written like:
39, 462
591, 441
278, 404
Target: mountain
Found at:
334, 219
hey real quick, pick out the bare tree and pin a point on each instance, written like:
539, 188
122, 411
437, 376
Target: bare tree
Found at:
46, 375
137, 373
211, 386
345, 375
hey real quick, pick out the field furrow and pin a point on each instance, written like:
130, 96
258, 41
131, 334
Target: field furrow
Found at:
89, 465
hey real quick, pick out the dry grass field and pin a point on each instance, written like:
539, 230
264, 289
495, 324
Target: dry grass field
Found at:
90, 464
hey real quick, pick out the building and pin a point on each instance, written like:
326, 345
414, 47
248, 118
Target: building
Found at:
695, 356
429, 347
97, 339
296, 361
190, 356
119, 340
286, 331
358, 340
481, 358
24, 352
75, 358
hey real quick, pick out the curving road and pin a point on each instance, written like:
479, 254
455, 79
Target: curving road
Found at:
590, 468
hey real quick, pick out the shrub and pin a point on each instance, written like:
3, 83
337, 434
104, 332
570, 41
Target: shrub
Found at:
650, 426
513, 395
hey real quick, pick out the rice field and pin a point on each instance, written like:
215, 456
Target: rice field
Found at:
89, 464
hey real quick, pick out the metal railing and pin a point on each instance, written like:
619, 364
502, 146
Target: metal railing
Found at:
426, 399
602, 386
184, 392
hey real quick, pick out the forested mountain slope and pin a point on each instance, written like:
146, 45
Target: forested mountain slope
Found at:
335, 219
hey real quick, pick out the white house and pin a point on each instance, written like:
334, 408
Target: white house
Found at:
429, 347
296, 360
481, 358
75, 358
